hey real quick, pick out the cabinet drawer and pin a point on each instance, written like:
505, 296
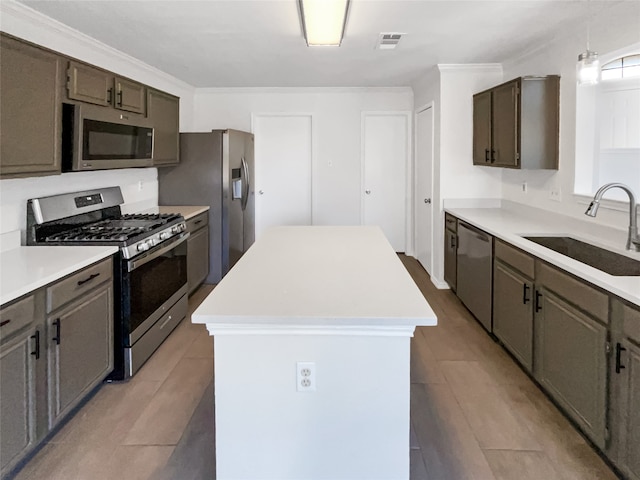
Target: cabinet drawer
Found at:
78, 283
580, 294
197, 222
16, 316
515, 258
631, 323
450, 222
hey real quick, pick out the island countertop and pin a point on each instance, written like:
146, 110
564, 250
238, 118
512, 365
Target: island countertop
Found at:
318, 276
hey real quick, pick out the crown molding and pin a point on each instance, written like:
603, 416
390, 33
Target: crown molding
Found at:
10, 9
305, 90
466, 67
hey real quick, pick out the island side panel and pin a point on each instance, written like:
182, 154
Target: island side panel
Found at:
355, 425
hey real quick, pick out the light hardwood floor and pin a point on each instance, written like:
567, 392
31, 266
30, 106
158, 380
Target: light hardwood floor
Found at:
474, 413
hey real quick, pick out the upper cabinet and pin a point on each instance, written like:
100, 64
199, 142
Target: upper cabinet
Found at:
516, 124
30, 110
164, 112
93, 85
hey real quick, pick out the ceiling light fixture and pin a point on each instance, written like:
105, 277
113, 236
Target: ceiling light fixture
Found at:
588, 68
323, 21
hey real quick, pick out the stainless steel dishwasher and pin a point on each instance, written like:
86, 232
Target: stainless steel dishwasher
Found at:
475, 272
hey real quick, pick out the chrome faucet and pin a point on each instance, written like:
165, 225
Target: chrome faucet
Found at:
633, 242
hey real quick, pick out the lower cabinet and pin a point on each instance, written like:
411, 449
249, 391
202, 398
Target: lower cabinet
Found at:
450, 258
513, 312
625, 389
81, 350
56, 345
197, 250
571, 362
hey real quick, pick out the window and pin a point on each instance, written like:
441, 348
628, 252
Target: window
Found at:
608, 127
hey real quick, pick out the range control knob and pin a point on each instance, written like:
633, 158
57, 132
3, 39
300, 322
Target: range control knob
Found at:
142, 247
163, 235
150, 243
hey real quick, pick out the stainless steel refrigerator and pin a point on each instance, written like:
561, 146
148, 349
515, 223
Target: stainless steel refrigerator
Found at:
216, 169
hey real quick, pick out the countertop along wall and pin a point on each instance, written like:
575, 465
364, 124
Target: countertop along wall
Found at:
139, 185
336, 134
611, 29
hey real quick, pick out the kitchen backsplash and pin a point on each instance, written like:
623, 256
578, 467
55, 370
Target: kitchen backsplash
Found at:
139, 189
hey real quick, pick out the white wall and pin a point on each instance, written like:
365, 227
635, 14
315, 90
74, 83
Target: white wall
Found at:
451, 88
139, 186
336, 113
610, 30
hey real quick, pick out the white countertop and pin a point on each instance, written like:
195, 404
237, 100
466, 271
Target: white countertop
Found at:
187, 211
510, 224
25, 269
318, 276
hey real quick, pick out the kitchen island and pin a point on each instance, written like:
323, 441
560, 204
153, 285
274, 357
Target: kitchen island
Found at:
339, 300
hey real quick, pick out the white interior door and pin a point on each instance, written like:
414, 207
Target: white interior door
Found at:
282, 170
385, 145
424, 187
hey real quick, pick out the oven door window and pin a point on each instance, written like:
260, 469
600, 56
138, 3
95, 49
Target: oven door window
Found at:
153, 283
114, 141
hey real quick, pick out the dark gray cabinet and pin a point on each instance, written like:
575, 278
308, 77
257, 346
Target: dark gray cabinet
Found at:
22, 379
164, 112
516, 124
89, 84
450, 250
513, 291
80, 336
625, 388
197, 251
30, 110
571, 348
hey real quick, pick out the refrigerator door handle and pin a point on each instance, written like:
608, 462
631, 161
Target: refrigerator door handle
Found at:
247, 183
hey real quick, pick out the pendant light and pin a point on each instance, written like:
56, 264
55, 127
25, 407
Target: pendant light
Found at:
588, 68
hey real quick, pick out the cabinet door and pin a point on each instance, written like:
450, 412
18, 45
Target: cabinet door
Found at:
130, 96
571, 362
81, 350
197, 258
450, 263
629, 428
506, 129
17, 402
482, 128
89, 84
164, 112
513, 312
30, 110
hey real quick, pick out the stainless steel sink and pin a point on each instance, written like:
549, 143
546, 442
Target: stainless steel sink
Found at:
596, 257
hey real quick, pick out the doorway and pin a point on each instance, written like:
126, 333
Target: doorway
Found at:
424, 187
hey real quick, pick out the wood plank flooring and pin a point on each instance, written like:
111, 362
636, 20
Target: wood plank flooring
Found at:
474, 414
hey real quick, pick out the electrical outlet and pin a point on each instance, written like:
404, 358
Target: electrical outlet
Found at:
140, 186
524, 187
554, 194
306, 376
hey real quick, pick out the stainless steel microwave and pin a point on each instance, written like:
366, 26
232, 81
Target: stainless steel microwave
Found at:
102, 138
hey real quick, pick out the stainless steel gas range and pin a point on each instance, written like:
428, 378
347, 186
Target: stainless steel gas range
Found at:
150, 275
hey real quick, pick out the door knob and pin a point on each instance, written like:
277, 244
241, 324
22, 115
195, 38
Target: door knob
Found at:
368, 192
260, 192
427, 200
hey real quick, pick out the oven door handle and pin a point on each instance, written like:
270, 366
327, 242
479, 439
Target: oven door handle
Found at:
153, 254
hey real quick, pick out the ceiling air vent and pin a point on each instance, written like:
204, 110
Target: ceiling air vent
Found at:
387, 41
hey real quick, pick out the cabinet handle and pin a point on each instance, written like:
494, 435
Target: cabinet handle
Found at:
91, 277
619, 350
525, 290
198, 222
538, 304
486, 154
56, 339
453, 241
36, 351
493, 155
4, 322
120, 98
109, 95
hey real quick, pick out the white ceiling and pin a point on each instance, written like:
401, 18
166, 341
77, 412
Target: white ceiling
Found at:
259, 43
